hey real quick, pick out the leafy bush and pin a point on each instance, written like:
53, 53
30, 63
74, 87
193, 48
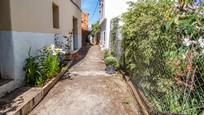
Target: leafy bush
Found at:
110, 60
95, 28
106, 53
33, 72
163, 51
50, 62
51, 65
42, 67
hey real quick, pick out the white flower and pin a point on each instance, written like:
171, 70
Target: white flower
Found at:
59, 50
194, 42
63, 52
52, 46
203, 51
187, 42
54, 53
201, 42
184, 56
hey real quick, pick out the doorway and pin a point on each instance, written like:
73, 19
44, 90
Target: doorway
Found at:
75, 33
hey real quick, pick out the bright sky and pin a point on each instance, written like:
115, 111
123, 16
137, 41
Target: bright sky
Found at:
90, 6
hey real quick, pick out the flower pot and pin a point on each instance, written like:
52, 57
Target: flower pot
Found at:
110, 69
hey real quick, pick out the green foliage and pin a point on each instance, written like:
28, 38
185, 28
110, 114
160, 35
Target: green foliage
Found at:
50, 65
95, 28
32, 71
156, 57
185, 25
110, 60
106, 53
143, 41
42, 67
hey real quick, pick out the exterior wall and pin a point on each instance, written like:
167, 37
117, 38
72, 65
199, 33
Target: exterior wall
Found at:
14, 48
108, 12
6, 55
85, 28
31, 16
22, 41
77, 2
103, 34
40, 19
84, 24
102, 9
38, 16
29, 23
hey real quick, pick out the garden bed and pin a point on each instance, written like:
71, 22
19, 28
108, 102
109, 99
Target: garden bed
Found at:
23, 100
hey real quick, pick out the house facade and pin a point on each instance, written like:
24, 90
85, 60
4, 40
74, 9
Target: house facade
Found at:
33, 24
109, 9
84, 27
84, 21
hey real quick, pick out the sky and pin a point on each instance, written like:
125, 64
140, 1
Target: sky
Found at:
89, 6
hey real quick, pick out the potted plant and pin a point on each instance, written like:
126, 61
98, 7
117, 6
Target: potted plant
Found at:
111, 64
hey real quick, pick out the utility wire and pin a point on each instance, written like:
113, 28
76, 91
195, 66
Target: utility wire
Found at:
95, 10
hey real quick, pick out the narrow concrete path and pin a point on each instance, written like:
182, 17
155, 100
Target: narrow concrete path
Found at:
90, 92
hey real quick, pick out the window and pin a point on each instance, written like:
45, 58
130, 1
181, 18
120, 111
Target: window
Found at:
55, 13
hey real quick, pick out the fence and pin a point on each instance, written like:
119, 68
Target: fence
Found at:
116, 38
171, 82
180, 94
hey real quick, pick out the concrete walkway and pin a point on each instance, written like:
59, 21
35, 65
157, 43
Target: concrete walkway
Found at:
90, 92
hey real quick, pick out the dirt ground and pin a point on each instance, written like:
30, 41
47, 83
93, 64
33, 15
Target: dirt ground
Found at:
90, 91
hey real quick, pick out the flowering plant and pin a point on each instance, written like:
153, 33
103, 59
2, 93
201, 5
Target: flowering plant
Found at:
43, 66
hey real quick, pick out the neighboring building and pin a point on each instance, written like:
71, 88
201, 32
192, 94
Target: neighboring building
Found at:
84, 27
84, 21
109, 9
33, 23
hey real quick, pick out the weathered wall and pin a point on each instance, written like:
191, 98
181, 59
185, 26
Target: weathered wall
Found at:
31, 15
111, 11
84, 23
36, 16
22, 42
29, 23
66, 18
6, 55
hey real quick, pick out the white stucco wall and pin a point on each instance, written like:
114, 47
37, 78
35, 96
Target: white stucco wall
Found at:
22, 41
67, 11
31, 27
14, 47
6, 55
113, 8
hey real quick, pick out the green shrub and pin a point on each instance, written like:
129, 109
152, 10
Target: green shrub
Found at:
156, 57
106, 53
110, 60
42, 67
33, 74
50, 65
